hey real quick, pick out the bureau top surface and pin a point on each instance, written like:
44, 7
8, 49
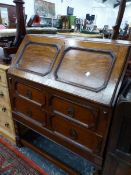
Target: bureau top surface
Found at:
91, 69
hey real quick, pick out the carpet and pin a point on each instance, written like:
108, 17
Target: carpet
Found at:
13, 162
76, 162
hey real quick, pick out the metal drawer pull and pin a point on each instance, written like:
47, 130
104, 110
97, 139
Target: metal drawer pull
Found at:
29, 94
7, 125
73, 134
1, 94
0, 78
71, 112
4, 109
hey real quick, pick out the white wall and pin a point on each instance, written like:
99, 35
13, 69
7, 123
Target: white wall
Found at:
127, 15
105, 13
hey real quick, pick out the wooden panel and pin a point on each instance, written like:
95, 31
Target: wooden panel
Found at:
3, 80
32, 93
86, 68
41, 59
31, 111
116, 166
87, 115
76, 133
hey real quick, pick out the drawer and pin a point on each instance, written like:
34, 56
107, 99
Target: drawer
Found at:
80, 135
6, 122
30, 110
86, 115
3, 79
31, 93
4, 97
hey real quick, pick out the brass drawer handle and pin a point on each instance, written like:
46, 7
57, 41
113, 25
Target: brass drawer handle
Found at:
71, 112
29, 94
1, 94
73, 134
4, 109
7, 125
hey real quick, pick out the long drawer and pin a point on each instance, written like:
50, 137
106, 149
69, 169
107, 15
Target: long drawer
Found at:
77, 133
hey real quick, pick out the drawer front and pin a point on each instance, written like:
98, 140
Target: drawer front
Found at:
6, 122
30, 110
4, 97
3, 79
31, 93
86, 115
76, 133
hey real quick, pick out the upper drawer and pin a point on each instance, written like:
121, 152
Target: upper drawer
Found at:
85, 114
31, 93
62, 127
3, 79
4, 97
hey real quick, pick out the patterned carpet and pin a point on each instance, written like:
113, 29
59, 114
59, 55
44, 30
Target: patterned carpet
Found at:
76, 162
12, 162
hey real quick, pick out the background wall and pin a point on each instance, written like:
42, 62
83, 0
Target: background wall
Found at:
105, 13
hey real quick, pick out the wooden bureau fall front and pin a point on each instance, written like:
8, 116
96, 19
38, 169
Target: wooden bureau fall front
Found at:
66, 88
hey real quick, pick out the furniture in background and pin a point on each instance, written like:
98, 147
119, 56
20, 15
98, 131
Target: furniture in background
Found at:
41, 21
6, 122
66, 94
118, 158
7, 37
68, 22
8, 15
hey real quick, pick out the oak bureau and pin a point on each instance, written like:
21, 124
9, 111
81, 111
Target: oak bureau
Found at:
65, 89
6, 121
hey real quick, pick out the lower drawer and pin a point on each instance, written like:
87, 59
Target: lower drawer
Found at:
76, 133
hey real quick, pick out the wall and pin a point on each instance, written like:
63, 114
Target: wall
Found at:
105, 13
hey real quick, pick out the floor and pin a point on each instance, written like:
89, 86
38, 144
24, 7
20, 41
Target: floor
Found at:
76, 162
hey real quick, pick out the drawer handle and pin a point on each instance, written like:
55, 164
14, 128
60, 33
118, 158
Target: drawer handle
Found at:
73, 134
29, 94
1, 94
0, 78
29, 113
7, 125
4, 109
71, 112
